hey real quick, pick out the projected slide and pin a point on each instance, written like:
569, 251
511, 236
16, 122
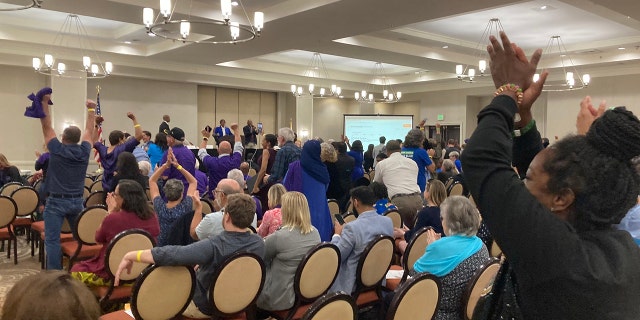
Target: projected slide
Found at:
369, 128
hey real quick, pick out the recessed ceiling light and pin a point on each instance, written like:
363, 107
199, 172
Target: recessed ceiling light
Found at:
234, 3
127, 42
445, 47
543, 7
621, 48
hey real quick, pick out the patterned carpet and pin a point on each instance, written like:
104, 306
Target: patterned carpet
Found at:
11, 273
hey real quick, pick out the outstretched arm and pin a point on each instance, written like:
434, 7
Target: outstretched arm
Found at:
90, 123
136, 126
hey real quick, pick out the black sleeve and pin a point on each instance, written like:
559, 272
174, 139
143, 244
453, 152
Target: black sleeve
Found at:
14, 173
525, 149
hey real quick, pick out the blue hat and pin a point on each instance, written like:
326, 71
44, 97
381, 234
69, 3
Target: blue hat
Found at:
35, 110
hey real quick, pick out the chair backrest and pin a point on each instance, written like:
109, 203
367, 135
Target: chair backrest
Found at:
8, 211
207, 206
87, 224
417, 298
317, 271
456, 189
86, 192
334, 207
126, 241
395, 217
495, 251
37, 185
162, 292
374, 263
372, 174
96, 186
349, 217
9, 188
448, 183
337, 305
88, 181
27, 200
252, 172
241, 270
481, 284
96, 198
415, 249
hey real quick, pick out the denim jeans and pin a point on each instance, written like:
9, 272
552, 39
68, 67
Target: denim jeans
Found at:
54, 213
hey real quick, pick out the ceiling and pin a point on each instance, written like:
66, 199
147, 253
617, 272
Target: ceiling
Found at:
419, 42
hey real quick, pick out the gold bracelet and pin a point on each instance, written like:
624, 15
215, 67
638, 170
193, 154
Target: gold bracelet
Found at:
137, 126
513, 88
179, 167
138, 255
91, 110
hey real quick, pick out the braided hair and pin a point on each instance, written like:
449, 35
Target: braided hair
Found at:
600, 168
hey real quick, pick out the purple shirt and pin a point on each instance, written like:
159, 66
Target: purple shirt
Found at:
203, 182
220, 166
108, 160
186, 159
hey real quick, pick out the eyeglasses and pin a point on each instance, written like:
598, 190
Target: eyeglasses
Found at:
219, 191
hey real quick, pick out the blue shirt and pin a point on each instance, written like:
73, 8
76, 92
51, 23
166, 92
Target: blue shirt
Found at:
155, 155
67, 167
631, 223
422, 159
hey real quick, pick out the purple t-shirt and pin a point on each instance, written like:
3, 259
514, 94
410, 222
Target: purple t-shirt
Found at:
220, 166
186, 159
108, 160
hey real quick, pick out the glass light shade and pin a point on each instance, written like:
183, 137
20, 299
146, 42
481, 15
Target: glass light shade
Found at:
357, 95
293, 88
482, 65
390, 96
322, 91
225, 8
258, 20
370, 96
333, 88
108, 67
385, 93
569, 76
472, 73
299, 90
571, 82
338, 90
398, 95
235, 30
147, 17
586, 78
61, 68
36, 63
165, 7
311, 87
86, 62
536, 77
48, 60
185, 28
459, 69
94, 69
363, 93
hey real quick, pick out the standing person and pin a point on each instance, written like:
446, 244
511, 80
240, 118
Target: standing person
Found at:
555, 228
118, 144
183, 155
412, 149
218, 167
8, 172
221, 130
250, 133
156, 150
146, 140
451, 146
368, 158
455, 157
399, 174
266, 160
164, 126
127, 168
65, 178
340, 174
356, 152
310, 176
378, 149
287, 154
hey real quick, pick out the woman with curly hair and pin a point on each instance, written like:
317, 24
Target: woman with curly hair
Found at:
412, 149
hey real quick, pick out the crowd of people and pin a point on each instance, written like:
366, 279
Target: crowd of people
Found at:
564, 255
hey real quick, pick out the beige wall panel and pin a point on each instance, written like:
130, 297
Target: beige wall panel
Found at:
226, 105
206, 106
268, 112
248, 107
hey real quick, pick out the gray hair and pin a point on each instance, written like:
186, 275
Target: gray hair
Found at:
286, 133
455, 154
145, 167
173, 189
449, 165
460, 215
238, 176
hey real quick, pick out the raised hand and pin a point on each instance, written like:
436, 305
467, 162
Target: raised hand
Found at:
91, 104
131, 116
234, 126
588, 114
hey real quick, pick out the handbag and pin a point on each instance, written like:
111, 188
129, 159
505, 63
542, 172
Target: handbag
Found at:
502, 301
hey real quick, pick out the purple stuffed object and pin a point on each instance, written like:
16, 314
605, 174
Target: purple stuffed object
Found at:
35, 110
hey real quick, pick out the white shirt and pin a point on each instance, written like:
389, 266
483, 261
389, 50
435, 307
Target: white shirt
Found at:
211, 224
399, 175
375, 152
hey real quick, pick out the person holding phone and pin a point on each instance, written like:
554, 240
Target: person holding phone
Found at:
250, 133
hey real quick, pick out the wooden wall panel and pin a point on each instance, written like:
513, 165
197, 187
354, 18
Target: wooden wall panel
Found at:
268, 112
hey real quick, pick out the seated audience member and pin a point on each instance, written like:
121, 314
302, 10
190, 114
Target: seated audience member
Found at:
218, 167
380, 157
237, 175
631, 223
272, 219
211, 224
448, 170
145, 168
156, 150
207, 254
118, 144
176, 205
284, 250
455, 258
429, 216
140, 151
184, 156
244, 168
353, 237
128, 209
52, 295
455, 157
8, 172
127, 168
382, 198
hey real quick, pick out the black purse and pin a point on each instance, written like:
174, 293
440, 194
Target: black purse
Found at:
502, 302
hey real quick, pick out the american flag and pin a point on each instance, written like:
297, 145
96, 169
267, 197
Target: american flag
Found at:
96, 155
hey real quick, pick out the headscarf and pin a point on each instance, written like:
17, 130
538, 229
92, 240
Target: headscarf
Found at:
311, 162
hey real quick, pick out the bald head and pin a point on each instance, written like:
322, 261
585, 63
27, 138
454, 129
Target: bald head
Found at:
229, 186
224, 148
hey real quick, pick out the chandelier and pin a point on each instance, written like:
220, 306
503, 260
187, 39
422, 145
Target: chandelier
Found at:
380, 79
73, 34
555, 46
318, 71
469, 73
167, 25
28, 5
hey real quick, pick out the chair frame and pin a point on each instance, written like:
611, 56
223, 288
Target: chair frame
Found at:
454, 185
377, 287
328, 299
216, 312
12, 235
300, 300
30, 212
208, 202
406, 287
140, 282
472, 284
76, 236
399, 215
9, 185
96, 182
407, 252
93, 194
